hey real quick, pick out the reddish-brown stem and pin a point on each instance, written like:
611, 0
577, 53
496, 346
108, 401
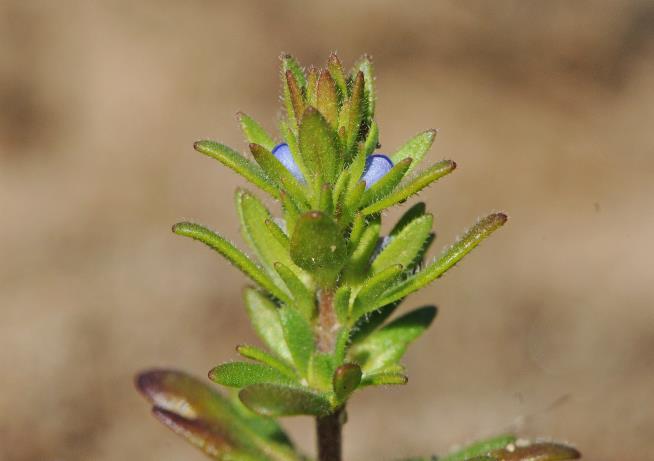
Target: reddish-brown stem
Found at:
327, 322
329, 430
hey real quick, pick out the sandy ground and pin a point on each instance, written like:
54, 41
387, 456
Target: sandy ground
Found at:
547, 107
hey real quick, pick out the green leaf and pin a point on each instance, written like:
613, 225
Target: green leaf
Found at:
254, 353
325, 202
253, 215
415, 148
352, 201
366, 67
342, 303
241, 374
409, 215
358, 226
384, 378
387, 183
254, 133
319, 148
303, 298
277, 171
346, 380
336, 70
294, 99
299, 337
480, 231
276, 400
342, 344
292, 64
386, 346
372, 288
232, 159
404, 246
321, 368
318, 246
480, 448
277, 233
536, 452
232, 254
209, 421
359, 262
291, 212
412, 187
372, 139
264, 316
327, 98
357, 110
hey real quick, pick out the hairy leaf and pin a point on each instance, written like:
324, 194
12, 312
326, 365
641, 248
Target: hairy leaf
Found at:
386, 346
264, 316
276, 400
233, 254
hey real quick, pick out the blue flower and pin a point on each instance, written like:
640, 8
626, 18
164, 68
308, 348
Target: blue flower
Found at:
283, 153
377, 166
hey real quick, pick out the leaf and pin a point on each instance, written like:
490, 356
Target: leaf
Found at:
415, 148
234, 255
291, 212
480, 231
238, 163
264, 316
253, 215
386, 346
366, 67
327, 98
372, 139
277, 233
277, 171
387, 183
290, 63
383, 378
336, 70
372, 288
346, 380
359, 262
312, 84
276, 400
299, 337
241, 374
405, 245
412, 187
209, 421
319, 148
409, 215
480, 448
295, 95
357, 110
318, 246
304, 300
254, 133
342, 303
321, 368
254, 353
536, 452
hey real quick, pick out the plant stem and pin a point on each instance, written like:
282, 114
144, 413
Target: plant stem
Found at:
327, 321
329, 436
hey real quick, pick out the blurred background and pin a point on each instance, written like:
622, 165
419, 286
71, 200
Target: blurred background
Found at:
547, 107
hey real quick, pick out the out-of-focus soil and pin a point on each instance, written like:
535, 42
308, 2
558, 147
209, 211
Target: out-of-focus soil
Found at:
547, 107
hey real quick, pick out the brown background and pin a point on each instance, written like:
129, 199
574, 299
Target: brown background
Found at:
547, 107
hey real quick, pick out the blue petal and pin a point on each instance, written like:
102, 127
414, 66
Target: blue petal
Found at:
283, 153
377, 166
